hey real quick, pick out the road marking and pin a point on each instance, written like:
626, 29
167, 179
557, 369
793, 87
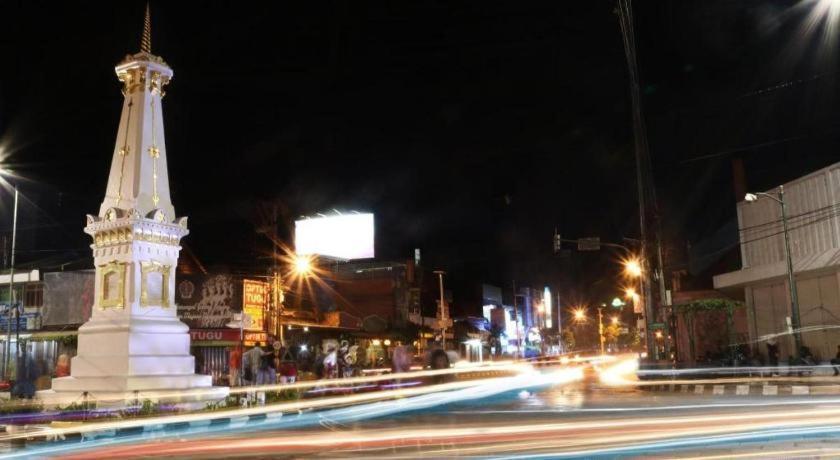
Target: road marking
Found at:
742, 390
799, 390
718, 389
699, 389
770, 390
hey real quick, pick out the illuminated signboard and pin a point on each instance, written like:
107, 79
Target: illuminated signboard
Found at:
548, 307
254, 301
343, 236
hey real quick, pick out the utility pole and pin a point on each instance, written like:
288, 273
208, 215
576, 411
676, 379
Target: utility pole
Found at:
625, 13
442, 309
516, 324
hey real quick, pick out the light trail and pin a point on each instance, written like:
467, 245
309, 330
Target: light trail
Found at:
561, 439
213, 393
429, 397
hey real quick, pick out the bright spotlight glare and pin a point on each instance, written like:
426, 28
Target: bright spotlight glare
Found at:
302, 265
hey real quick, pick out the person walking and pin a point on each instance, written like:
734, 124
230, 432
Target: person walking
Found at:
772, 354
251, 365
235, 366
266, 374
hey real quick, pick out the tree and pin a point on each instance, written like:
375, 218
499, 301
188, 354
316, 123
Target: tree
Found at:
569, 339
612, 332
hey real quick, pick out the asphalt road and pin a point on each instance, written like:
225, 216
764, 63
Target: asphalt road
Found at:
571, 420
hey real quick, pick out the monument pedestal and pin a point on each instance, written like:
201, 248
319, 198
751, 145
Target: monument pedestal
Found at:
119, 364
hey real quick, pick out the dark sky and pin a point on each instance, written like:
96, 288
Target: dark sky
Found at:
471, 129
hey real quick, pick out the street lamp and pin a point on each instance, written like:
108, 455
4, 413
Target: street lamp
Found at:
579, 315
302, 265
633, 268
6, 349
794, 298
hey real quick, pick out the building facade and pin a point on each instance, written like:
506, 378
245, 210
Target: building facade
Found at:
812, 204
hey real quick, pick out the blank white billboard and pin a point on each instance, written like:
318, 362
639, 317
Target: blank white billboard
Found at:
346, 236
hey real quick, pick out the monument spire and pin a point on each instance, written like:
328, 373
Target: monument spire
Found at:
146, 39
139, 180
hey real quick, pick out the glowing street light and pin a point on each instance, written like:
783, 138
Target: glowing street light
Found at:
615, 320
302, 265
631, 293
579, 314
633, 268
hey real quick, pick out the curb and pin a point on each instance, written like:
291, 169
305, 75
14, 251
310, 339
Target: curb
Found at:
746, 389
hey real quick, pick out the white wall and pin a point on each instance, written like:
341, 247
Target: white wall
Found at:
819, 305
762, 242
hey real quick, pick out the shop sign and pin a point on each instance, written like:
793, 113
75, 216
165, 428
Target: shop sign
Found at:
214, 335
255, 338
207, 302
254, 302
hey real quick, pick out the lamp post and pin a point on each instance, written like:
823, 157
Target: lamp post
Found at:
794, 298
634, 269
7, 348
601, 326
302, 267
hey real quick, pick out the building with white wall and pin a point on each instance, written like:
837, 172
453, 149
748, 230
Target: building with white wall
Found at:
813, 209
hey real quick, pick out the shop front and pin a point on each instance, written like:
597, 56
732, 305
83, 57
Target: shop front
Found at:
208, 304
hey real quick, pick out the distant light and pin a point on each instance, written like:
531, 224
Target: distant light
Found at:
305, 328
750, 197
579, 314
303, 347
376, 342
387, 342
615, 320
617, 303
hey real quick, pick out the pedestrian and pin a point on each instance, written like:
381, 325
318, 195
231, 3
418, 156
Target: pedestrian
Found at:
772, 353
235, 366
836, 362
266, 374
62, 367
251, 365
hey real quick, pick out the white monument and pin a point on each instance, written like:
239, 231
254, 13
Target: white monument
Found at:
134, 341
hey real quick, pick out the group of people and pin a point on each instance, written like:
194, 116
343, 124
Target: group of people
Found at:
261, 365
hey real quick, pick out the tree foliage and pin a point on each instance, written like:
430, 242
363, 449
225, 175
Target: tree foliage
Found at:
716, 304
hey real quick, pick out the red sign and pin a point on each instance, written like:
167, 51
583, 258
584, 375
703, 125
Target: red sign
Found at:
214, 335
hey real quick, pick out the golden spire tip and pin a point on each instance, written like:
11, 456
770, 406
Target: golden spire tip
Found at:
146, 39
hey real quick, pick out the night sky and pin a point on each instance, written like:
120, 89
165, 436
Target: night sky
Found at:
471, 129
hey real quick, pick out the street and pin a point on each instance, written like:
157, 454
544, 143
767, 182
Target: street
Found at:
567, 419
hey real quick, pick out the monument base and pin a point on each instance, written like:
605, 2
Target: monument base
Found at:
188, 391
